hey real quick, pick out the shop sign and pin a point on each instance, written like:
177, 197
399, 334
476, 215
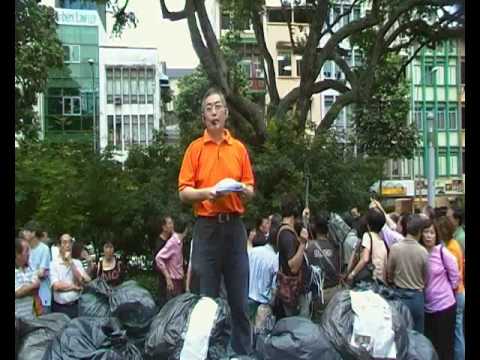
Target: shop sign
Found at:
77, 17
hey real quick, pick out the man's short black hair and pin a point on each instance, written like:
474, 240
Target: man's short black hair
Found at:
35, 227
289, 205
375, 219
320, 224
415, 225
458, 215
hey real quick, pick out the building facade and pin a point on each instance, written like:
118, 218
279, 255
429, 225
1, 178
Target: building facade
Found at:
437, 82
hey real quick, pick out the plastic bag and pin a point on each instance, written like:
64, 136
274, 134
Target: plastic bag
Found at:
35, 335
420, 348
296, 338
337, 322
133, 305
92, 338
190, 327
95, 299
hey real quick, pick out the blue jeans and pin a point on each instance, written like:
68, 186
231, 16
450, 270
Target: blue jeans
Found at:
414, 300
459, 347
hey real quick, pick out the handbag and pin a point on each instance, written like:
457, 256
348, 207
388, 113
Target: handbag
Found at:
366, 274
289, 287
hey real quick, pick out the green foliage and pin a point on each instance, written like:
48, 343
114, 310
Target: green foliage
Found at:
337, 178
381, 121
37, 49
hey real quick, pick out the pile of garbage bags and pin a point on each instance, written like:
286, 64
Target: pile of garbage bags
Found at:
123, 323
92, 338
33, 336
190, 327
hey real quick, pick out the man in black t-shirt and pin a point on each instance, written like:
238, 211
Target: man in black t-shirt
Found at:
291, 254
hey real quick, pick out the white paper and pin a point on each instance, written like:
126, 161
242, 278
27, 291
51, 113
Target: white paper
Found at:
228, 185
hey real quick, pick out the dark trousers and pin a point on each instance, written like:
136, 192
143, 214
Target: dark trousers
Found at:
440, 329
221, 248
414, 300
68, 309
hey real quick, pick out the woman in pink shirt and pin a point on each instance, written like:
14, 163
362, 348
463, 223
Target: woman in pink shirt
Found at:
440, 305
170, 262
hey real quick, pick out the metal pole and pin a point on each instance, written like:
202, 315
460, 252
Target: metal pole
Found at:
431, 163
94, 112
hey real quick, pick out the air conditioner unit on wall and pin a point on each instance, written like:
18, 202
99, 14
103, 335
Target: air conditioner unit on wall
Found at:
117, 100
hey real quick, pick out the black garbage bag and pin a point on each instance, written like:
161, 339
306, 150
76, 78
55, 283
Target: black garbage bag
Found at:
296, 338
403, 311
420, 348
171, 330
92, 338
34, 335
133, 305
95, 299
337, 322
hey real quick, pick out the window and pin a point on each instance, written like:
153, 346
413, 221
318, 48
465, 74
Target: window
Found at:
328, 102
357, 58
109, 86
225, 21
417, 118
279, 15
150, 85
328, 69
150, 129
452, 75
143, 130
141, 86
356, 12
299, 65
71, 54
395, 168
134, 129
452, 120
428, 75
454, 163
126, 131
348, 57
463, 160
126, 85
118, 82
419, 164
76, 4
118, 132
284, 64
442, 164
110, 129
462, 71
71, 105
133, 86
463, 116
441, 118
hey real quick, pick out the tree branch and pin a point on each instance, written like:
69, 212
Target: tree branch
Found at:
288, 100
342, 101
172, 16
267, 57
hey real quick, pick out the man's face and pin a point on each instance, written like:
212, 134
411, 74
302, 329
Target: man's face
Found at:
65, 243
451, 218
214, 113
354, 212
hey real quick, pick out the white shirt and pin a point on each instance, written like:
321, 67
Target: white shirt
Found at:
61, 272
55, 252
263, 263
24, 305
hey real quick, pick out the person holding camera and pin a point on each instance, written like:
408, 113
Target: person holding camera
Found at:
67, 277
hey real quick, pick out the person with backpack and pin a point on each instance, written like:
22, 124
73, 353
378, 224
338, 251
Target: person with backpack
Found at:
293, 296
323, 252
407, 270
440, 305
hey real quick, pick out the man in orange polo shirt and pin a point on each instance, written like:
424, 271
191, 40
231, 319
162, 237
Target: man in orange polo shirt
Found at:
220, 239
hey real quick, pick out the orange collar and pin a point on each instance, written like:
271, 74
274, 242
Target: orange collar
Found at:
226, 137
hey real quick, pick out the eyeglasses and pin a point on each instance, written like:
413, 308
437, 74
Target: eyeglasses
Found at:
210, 108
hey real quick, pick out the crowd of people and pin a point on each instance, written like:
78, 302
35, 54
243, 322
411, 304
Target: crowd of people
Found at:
288, 264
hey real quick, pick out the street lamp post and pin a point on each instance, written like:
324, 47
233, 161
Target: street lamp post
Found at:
92, 62
431, 161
